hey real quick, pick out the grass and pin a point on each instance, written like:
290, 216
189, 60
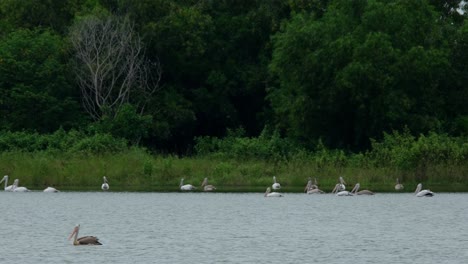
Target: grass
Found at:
136, 170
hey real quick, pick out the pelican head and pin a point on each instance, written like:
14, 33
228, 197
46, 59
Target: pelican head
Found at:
4, 178
342, 180
205, 182
75, 231
418, 188
356, 188
181, 182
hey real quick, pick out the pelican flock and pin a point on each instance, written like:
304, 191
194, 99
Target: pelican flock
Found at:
105, 184
275, 186
207, 187
8, 188
269, 193
86, 240
186, 187
422, 193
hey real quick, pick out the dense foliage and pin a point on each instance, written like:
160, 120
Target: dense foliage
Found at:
294, 76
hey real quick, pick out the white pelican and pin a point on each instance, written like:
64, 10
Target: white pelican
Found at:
312, 188
268, 193
186, 187
355, 190
50, 190
337, 191
16, 188
7, 188
423, 193
86, 240
207, 187
398, 185
341, 186
275, 186
105, 185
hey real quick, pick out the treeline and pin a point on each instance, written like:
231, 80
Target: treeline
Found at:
266, 79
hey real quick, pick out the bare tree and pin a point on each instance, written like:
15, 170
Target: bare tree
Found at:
111, 67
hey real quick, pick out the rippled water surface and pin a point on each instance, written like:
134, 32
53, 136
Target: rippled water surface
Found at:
234, 228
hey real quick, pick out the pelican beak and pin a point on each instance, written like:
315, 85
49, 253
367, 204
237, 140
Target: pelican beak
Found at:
71, 235
74, 231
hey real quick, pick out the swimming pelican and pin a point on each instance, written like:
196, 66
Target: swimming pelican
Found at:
275, 186
398, 185
268, 193
186, 187
207, 187
423, 193
355, 190
7, 188
312, 188
86, 240
50, 189
16, 188
105, 185
337, 191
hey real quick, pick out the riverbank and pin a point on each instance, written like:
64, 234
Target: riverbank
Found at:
137, 170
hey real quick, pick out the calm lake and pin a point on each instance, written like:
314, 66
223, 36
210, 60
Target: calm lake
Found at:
234, 228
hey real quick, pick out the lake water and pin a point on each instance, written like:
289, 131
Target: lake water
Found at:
234, 228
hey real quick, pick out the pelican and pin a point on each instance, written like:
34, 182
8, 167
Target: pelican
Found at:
207, 187
341, 185
423, 193
86, 240
398, 185
105, 185
16, 188
312, 188
337, 191
7, 188
275, 186
355, 190
50, 190
186, 187
268, 193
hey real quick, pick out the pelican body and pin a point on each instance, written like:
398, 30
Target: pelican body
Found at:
186, 187
17, 188
86, 240
423, 193
268, 193
50, 190
275, 186
207, 187
8, 188
105, 185
355, 190
398, 185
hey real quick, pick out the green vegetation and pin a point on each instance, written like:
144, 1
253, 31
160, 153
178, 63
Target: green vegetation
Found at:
439, 161
150, 91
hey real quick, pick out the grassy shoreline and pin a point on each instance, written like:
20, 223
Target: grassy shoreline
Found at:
137, 170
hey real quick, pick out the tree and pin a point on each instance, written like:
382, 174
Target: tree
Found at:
111, 67
363, 68
35, 90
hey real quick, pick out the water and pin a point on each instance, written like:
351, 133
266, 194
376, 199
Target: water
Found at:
234, 228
